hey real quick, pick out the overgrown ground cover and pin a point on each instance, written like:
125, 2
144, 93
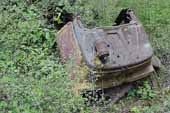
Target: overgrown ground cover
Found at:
33, 80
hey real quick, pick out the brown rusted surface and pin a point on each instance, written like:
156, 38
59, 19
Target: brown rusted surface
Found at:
124, 76
68, 47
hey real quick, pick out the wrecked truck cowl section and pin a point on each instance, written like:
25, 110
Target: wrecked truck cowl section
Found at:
115, 54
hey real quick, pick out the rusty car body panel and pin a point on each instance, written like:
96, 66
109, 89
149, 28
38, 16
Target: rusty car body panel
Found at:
113, 55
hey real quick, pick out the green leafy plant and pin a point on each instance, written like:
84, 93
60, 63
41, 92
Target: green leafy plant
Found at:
135, 110
143, 92
31, 74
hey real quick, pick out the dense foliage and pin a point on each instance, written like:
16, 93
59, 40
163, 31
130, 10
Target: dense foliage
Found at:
32, 78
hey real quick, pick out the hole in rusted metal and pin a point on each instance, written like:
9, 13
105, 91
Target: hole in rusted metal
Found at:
124, 17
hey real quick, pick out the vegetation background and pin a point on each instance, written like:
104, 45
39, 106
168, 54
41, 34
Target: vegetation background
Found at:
32, 79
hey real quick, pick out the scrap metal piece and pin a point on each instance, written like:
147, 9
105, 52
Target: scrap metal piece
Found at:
123, 50
156, 62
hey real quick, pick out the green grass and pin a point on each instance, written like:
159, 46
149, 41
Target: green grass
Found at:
32, 79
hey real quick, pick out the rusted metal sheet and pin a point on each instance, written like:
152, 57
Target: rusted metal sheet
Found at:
128, 44
68, 46
113, 55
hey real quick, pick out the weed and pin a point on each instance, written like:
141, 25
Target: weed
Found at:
135, 110
143, 92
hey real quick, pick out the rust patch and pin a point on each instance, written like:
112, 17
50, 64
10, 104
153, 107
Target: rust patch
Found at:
69, 49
